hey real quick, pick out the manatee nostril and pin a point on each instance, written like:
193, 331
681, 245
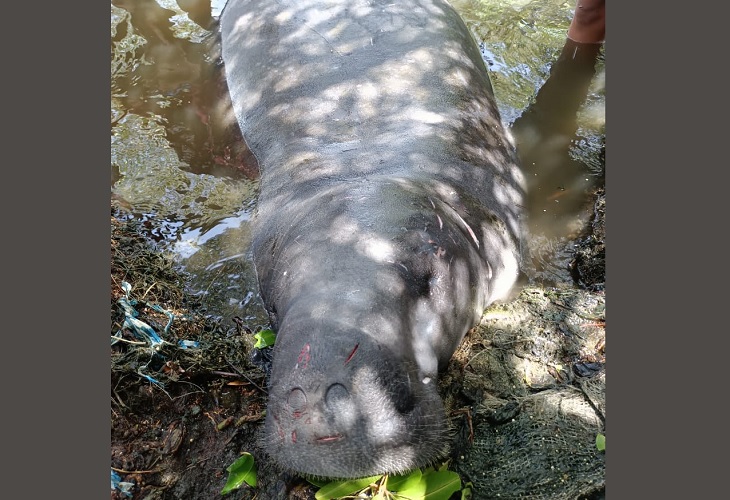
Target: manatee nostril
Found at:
336, 395
297, 402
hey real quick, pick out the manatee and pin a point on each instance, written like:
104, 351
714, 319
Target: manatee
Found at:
388, 218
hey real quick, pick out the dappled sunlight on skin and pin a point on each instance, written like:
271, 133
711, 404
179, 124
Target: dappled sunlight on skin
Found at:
388, 215
378, 250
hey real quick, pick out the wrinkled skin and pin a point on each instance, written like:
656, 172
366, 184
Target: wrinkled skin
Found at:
388, 218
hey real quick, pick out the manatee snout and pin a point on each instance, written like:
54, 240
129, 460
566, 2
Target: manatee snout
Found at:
354, 421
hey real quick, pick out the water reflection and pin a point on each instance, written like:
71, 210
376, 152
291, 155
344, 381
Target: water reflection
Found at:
563, 163
558, 184
178, 79
179, 162
180, 165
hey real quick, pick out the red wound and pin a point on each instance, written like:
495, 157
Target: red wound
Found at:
303, 357
352, 354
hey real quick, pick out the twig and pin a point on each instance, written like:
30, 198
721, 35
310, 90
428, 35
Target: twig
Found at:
246, 377
200, 389
148, 290
122, 471
225, 374
133, 342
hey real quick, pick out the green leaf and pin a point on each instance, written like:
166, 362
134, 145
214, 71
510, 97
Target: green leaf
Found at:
243, 470
466, 493
401, 481
337, 489
601, 442
433, 485
264, 338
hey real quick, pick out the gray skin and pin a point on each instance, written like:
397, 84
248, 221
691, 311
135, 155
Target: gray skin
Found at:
388, 218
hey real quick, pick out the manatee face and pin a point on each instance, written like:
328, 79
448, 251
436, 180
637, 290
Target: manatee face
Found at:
340, 413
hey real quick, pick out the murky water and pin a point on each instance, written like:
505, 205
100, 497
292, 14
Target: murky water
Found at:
179, 163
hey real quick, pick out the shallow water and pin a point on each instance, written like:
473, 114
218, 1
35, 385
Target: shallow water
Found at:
179, 165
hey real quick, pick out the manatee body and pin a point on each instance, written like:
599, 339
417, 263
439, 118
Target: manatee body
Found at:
388, 218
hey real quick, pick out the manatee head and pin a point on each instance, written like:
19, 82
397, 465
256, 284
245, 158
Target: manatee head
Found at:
349, 406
